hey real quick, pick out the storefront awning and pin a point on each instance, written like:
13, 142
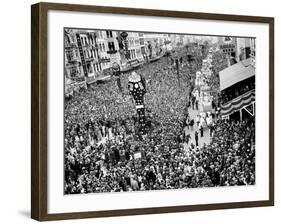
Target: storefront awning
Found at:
236, 73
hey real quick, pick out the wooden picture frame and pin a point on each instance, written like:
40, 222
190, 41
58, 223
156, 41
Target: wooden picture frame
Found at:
39, 108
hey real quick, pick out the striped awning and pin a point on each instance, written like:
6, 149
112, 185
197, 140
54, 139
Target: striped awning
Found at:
238, 103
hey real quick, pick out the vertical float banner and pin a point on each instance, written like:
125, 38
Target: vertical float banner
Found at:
136, 86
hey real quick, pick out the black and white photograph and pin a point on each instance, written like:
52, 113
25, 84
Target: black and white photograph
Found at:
157, 111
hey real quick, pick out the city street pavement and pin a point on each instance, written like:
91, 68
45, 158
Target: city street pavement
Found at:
206, 139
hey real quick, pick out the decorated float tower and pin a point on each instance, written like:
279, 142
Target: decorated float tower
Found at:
137, 89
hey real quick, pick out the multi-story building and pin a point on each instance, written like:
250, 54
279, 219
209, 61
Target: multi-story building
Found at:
112, 47
156, 44
134, 47
228, 45
89, 53
165, 42
142, 44
103, 48
73, 65
176, 40
237, 49
245, 48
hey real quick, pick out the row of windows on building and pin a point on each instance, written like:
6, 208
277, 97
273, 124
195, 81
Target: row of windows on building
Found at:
87, 40
141, 41
111, 46
244, 54
135, 53
228, 50
90, 41
133, 42
71, 55
101, 47
100, 34
90, 53
74, 71
94, 67
109, 34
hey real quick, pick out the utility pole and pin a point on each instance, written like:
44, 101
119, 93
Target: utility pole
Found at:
178, 72
124, 36
117, 72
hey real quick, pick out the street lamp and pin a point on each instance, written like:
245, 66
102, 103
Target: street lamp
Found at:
124, 36
116, 71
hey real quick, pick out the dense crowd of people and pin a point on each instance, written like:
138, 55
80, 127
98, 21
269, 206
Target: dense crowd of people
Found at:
104, 153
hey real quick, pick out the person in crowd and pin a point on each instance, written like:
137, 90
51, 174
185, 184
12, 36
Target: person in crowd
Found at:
187, 122
188, 138
196, 138
201, 128
193, 102
197, 120
211, 127
191, 124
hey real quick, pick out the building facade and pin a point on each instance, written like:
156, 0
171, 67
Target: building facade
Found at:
246, 49
237, 49
73, 65
90, 53
156, 44
112, 52
134, 47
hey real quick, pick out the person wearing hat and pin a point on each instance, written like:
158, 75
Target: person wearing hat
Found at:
196, 138
201, 130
